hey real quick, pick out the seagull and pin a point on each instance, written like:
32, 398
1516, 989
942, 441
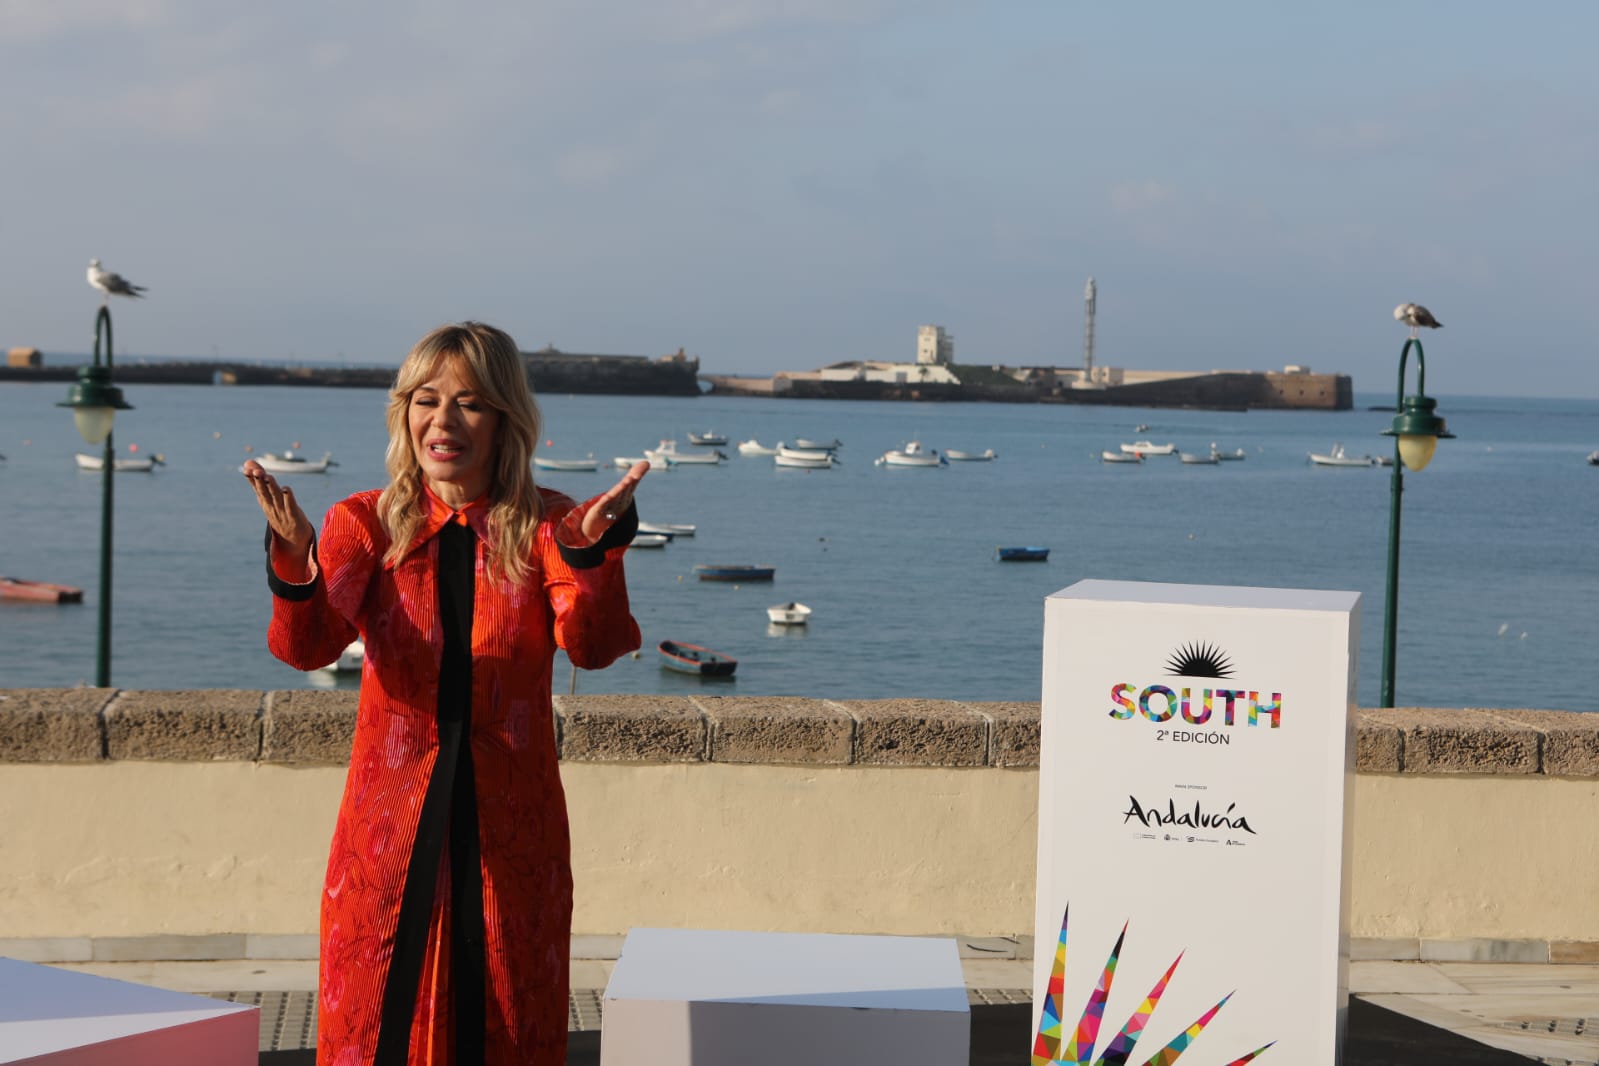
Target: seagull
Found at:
1415, 315
112, 284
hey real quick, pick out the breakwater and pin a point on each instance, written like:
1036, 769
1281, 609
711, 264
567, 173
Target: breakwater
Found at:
1216, 391
549, 371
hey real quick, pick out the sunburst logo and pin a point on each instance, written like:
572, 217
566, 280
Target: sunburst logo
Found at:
1199, 659
1052, 1048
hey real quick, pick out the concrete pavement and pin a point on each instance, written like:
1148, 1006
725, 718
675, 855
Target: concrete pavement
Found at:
1546, 1012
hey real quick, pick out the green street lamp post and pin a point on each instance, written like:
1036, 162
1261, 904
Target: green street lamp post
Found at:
95, 401
1416, 432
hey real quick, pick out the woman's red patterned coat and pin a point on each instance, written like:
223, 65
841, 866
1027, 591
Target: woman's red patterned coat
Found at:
445, 744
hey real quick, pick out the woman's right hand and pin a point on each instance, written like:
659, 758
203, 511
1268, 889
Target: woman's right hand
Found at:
283, 514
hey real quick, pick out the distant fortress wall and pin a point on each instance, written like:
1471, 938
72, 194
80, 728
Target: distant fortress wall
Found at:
548, 370
1217, 390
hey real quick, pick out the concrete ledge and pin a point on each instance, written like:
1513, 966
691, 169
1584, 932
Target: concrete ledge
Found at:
1452, 741
919, 733
657, 729
309, 728
782, 730
53, 724
316, 728
1012, 733
1474, 949
184, 726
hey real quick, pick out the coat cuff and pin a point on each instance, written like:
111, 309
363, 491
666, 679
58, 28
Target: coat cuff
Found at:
285, 590
620, 535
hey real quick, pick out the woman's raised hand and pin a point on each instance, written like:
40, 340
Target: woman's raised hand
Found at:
611, 506
289, 524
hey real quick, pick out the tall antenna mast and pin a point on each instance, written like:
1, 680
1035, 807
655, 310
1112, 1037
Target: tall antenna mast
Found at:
1088, 331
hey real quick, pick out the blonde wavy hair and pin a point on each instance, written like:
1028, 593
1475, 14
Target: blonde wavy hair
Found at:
489, 359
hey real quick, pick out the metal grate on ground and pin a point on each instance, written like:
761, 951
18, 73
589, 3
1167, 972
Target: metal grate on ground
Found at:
288, 1019
1582, 1031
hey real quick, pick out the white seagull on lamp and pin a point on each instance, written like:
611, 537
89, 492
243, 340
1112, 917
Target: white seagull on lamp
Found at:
1415, 316
112, 284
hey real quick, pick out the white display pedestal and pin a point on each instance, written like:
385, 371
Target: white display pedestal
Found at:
717, 998
1195, 777
74, 1019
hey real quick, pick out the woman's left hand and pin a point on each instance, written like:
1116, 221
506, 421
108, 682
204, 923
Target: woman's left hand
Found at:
611, 506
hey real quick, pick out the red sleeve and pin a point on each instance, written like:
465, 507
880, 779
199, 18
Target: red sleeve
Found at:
312, 623
592, 620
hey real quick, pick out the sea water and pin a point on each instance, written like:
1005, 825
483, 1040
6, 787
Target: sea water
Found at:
1499, 591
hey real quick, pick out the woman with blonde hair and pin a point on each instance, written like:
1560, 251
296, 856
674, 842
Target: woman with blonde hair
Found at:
446, 912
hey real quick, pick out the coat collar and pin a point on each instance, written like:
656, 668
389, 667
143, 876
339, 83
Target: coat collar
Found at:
439, 514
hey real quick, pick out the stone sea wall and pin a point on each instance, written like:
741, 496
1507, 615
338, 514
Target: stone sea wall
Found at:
166, 816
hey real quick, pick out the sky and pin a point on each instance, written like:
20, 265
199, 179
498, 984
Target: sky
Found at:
781, 184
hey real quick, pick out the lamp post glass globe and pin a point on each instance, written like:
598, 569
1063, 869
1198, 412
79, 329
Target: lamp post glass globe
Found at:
1416, 450
94, 402
94, 423
1418, 430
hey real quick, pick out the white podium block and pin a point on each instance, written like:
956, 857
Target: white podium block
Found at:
718, 998
74, 1019
1195, 777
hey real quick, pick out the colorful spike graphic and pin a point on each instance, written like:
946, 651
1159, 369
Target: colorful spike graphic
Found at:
1079, 1051
1046, 1049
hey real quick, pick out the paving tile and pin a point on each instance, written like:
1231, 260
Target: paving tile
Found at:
1402, 977
596, 946
201, 977
1512, 978
987, 947
281, 946
997, 973
591, 973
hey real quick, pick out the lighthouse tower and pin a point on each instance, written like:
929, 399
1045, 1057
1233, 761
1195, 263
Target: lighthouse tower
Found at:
1088, 331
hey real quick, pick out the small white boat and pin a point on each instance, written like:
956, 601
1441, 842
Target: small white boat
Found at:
671, 529
708, 440
542, 463
1120, 457
657, 455
824, 445
987, 455
754, 447
802, 453
789, 614
1593, 458
1338, 457
650, 540
290, 463
1144, 447
1235, 454
121, 466
823, 461
711, 458
628, 462
1199, 459
350, 659
912, 454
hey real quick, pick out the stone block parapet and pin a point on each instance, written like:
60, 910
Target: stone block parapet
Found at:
316, 728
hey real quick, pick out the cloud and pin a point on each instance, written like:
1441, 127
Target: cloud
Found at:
39, 20
1142, 198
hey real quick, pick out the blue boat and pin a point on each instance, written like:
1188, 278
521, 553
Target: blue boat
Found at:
1023, 555
712, 572
693, 659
